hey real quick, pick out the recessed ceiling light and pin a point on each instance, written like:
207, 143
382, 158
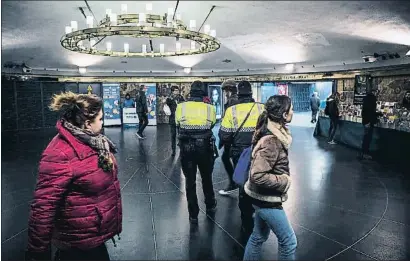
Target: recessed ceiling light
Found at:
82, 70
289, 67
187, 70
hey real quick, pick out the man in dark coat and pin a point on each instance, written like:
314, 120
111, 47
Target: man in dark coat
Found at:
369, 119
231, 96
314, 105
142, 111
332, 110
172, 103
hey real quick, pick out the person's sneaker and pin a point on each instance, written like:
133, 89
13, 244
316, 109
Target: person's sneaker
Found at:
193, 220
332, 142
231, 188
211, 209
139, 135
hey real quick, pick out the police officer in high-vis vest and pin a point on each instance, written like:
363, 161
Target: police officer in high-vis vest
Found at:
239, 138
231, 96
195, 120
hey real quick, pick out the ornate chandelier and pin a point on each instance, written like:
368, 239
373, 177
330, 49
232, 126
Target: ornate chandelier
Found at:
141, 25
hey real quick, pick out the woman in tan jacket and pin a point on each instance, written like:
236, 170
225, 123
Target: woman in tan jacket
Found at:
269, 180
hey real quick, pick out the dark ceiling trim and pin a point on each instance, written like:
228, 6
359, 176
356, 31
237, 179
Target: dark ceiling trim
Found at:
206, 18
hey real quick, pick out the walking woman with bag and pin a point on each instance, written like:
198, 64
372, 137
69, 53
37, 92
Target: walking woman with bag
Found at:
77, 201
269, 180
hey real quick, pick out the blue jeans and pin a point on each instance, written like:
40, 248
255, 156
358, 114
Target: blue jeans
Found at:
265, 220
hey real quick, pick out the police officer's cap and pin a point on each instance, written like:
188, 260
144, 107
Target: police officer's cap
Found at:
244, 88
197, 86
229, 85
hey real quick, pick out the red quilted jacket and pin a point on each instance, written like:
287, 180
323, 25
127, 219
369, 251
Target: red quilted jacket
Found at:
76, 204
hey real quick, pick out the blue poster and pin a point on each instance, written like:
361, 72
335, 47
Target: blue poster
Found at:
111, 98
151, 94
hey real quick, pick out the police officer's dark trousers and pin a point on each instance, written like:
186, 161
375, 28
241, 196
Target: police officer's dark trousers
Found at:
245, 201
197, 153
226, 160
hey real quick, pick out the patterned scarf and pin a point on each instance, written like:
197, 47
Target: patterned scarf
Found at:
98, 142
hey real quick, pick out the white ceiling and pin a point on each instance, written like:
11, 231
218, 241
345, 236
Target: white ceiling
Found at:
256, 35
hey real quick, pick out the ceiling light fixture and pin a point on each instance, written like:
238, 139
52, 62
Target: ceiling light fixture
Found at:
289, 67
408, 53
82, 70
139, 25
187, 70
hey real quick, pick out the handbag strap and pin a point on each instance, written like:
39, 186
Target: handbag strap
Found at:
246, 118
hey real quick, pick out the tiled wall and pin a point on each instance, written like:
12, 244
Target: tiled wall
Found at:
25, 104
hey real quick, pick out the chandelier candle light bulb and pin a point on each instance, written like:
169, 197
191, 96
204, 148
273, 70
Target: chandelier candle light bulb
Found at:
90, 21
126, 48
192, 45
192, 25
74, 25
178, 46
124, 8
148, 6
179, 17
141, 18
113, 19
92, 43
207, 28
68, 29
213, 33
162, 48
170, 14
109, 46
108, 12
144, 48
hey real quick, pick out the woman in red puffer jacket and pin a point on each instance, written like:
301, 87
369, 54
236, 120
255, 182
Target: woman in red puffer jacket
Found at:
77, 201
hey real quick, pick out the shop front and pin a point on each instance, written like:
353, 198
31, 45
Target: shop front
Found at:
391, 136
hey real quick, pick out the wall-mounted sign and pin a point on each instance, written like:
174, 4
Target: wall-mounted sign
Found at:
90, 88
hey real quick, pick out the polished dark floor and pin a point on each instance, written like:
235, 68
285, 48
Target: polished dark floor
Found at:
340, 208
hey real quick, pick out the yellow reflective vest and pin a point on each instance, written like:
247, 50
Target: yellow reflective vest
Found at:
232, 120
194, 117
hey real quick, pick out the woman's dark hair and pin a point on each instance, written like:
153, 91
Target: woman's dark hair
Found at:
76, 108
127, 95
275, 107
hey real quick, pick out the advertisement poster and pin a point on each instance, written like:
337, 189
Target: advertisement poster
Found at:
282, 89
215, 94
151, 94
361, 85
111, 98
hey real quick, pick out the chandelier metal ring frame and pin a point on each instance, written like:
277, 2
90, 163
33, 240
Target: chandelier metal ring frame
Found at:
158, 28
